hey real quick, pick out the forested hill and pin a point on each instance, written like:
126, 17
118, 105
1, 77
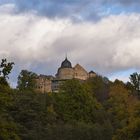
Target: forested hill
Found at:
96, 109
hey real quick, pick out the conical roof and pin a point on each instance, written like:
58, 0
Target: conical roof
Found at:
66, 64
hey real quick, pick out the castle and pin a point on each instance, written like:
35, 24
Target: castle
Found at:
48, 83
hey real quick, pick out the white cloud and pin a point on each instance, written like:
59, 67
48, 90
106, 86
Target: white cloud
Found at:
7, 8
108, 45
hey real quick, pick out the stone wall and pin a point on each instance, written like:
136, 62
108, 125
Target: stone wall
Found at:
92, 75
80, 72
43, 85
65, 73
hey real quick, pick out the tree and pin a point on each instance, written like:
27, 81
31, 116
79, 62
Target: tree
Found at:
75, 102
33, 113
135, 82
130, 132
75, 105
26, 80
118, 103
8, 127
99, 86
120, 106
5, 70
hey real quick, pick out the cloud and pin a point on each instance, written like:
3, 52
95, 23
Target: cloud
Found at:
77, 10
125, 2
74, 9
40, 43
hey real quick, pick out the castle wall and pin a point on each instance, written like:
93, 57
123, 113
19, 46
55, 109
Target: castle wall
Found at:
43, 85
92, 75
80, 73
65, 73
56, 84
46, 84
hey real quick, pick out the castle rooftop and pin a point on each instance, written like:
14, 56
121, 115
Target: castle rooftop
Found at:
66, 64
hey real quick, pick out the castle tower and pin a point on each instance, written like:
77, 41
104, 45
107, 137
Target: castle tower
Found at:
92, 74
65, 71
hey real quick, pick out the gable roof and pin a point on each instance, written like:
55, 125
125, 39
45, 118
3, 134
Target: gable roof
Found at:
79, 67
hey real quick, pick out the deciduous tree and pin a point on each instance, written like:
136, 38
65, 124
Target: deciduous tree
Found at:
26, 80
5, 70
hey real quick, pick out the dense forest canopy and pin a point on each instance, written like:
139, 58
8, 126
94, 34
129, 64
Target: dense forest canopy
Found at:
97, 109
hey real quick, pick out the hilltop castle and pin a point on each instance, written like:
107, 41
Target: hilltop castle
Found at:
45, 83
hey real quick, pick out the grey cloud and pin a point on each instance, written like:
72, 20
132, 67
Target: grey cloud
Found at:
39, 43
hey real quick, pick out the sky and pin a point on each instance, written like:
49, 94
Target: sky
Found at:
101, 35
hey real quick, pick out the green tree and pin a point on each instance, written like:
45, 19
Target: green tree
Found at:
118, 104
8, 127
8, 130
130, 132
75, 105
75, 102
26, 80
5, 70
135, 82
99, 87
33, 114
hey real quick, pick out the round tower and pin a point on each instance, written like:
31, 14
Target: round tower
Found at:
65, 71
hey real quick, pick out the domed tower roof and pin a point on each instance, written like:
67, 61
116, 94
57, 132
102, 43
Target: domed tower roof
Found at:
66, 64
92, 72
